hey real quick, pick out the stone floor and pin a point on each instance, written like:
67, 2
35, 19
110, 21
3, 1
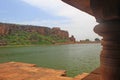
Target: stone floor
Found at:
95, 75
25, 71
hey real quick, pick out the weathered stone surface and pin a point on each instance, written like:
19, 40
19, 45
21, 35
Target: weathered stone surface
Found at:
25, 71
9, 28
95, 75
3, 29
61, 33
103, 10
81, 76
12, 28
83, 5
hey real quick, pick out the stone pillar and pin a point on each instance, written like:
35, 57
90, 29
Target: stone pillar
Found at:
110, 55
107, 13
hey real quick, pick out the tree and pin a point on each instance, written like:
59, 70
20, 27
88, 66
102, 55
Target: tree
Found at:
87, 40
97, 39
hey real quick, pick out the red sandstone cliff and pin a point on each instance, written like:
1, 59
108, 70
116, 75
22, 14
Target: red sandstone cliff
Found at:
61, 33
12, 28
4, 29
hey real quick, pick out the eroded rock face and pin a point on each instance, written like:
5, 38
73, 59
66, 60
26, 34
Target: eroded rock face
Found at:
61, 33
4, 29
12, 28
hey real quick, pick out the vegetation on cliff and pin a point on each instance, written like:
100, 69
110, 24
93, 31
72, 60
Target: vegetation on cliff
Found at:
16, 34
29, 38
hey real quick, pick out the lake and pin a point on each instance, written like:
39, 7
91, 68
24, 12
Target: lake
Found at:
74, 58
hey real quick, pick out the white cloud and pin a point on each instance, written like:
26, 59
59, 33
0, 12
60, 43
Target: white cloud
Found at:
48, 5
80, 24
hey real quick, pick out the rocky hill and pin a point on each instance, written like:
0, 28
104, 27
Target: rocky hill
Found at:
8, 31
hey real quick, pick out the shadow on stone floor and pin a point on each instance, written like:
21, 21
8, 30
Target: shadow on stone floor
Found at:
95, 75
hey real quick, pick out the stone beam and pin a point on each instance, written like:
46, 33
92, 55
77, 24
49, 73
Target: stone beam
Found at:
83, 5
105, 10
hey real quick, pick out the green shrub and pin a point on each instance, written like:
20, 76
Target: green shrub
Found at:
28, 38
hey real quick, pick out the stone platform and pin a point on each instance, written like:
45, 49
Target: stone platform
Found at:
95, 75
25, 71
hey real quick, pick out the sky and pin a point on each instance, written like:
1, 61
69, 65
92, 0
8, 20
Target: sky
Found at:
49, 13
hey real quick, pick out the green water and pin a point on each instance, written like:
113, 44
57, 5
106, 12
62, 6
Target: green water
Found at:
75, 58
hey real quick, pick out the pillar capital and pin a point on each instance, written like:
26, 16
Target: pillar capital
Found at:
105, 10
110, 54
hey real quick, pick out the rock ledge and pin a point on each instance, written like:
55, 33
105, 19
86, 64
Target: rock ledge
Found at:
25, 71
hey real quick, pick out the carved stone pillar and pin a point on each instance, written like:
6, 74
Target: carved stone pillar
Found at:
107, 13
110, 55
